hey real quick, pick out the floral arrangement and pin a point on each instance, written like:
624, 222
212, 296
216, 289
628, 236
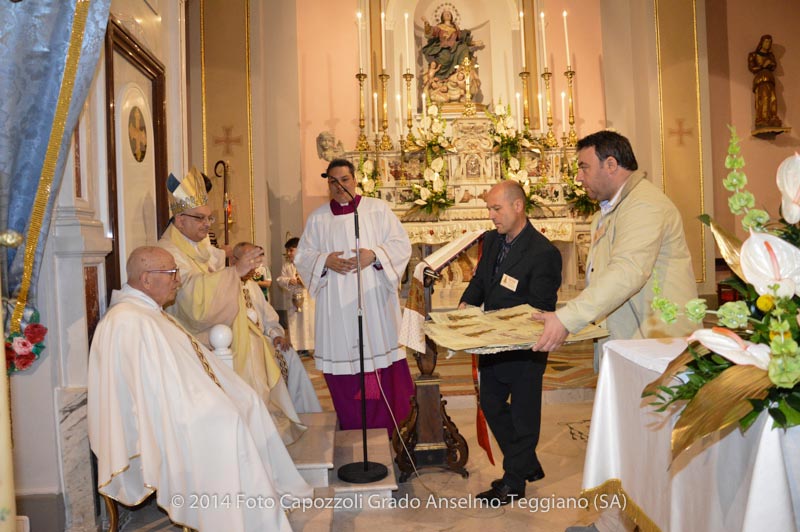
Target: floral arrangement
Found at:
368, 178
507, 141
575, 195
23, 348
435, 136
750, 362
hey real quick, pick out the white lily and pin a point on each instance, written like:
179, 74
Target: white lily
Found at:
433, 110
499, 109
509, 122
513, 164
437, 164
424, 194
425, 123
788, 178
368, 167
369, 185
526, 187
428, 174
728, 344
438, 184
767, 261
436, 127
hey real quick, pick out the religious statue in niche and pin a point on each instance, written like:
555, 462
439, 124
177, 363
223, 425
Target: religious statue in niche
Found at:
762, 64
444, 80
328, 148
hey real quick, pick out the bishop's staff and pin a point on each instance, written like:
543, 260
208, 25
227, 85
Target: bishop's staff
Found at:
226, 202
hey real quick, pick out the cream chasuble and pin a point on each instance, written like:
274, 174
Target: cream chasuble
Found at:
157, 421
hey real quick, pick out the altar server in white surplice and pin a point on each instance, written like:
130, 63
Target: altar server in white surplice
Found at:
166, 415
326, 262
211, 294
261, 313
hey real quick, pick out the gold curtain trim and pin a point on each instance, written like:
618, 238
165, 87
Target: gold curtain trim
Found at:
613, 486
51, 157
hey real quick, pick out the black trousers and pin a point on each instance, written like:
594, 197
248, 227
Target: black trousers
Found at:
511, 399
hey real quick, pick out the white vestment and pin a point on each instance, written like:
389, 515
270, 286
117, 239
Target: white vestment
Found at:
336, 338
158, 422
301, 322
301, 390
210, 294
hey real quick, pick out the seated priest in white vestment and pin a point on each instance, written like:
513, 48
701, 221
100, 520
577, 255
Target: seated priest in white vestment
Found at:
261, 313
210, 294
166, 415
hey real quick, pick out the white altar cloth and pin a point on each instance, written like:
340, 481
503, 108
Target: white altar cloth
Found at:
748, 482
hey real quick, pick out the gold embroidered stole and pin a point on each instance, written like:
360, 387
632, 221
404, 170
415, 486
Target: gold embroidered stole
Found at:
198, 351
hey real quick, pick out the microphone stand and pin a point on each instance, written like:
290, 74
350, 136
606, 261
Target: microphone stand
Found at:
360, 472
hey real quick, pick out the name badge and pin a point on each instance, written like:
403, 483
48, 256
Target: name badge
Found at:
509, 282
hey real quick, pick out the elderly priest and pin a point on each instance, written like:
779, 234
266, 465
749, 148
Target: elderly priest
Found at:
165, 415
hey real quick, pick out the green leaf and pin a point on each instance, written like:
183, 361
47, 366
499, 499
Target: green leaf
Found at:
793, 400
748, 420
792, 415
778, 416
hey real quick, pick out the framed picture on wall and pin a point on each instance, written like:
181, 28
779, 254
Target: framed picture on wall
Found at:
136, 148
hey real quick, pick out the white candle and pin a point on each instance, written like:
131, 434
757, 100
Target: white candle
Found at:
541, 113
519, 127
383, 40
564, 110
522, 38
399, 116
358, 26
544, 41
566, 38
375, 111
408, 46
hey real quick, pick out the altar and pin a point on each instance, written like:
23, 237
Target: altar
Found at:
471, 168
731, 481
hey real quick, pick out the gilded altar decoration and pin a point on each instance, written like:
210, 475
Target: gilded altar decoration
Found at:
750, 362
368, 178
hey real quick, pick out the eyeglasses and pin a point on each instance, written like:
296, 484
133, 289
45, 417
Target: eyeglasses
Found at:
173, 272
209, 219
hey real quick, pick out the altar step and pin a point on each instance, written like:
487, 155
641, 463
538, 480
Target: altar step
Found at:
344, 447
313, 452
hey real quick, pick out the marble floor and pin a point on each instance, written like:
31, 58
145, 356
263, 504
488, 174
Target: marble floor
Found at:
550, 504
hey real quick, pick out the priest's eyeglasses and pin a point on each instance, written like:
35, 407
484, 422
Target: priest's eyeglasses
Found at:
209, 219
173, 272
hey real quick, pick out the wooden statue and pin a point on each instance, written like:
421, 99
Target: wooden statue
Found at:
762, 64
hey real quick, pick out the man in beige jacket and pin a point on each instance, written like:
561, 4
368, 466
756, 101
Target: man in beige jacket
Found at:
637, 240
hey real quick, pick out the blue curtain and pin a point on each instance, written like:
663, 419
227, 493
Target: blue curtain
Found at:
34, 39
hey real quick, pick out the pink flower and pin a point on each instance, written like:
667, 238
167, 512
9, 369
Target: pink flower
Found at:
21, 346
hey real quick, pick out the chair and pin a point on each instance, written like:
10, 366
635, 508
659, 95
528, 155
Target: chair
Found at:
113, 515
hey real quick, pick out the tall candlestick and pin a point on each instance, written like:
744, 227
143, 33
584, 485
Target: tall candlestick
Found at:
564, 110
519, 126
408, 46
358, 25
383, 40
544, 40
541, 112
399, 116
566, 38
375, 112
522, 37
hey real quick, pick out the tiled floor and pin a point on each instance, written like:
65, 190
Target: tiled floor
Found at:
561, 451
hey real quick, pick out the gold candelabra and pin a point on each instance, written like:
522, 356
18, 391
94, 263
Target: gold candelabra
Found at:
386, 141
362, 144
564, 165
550, 138
572, 137
409, 143
526, 120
